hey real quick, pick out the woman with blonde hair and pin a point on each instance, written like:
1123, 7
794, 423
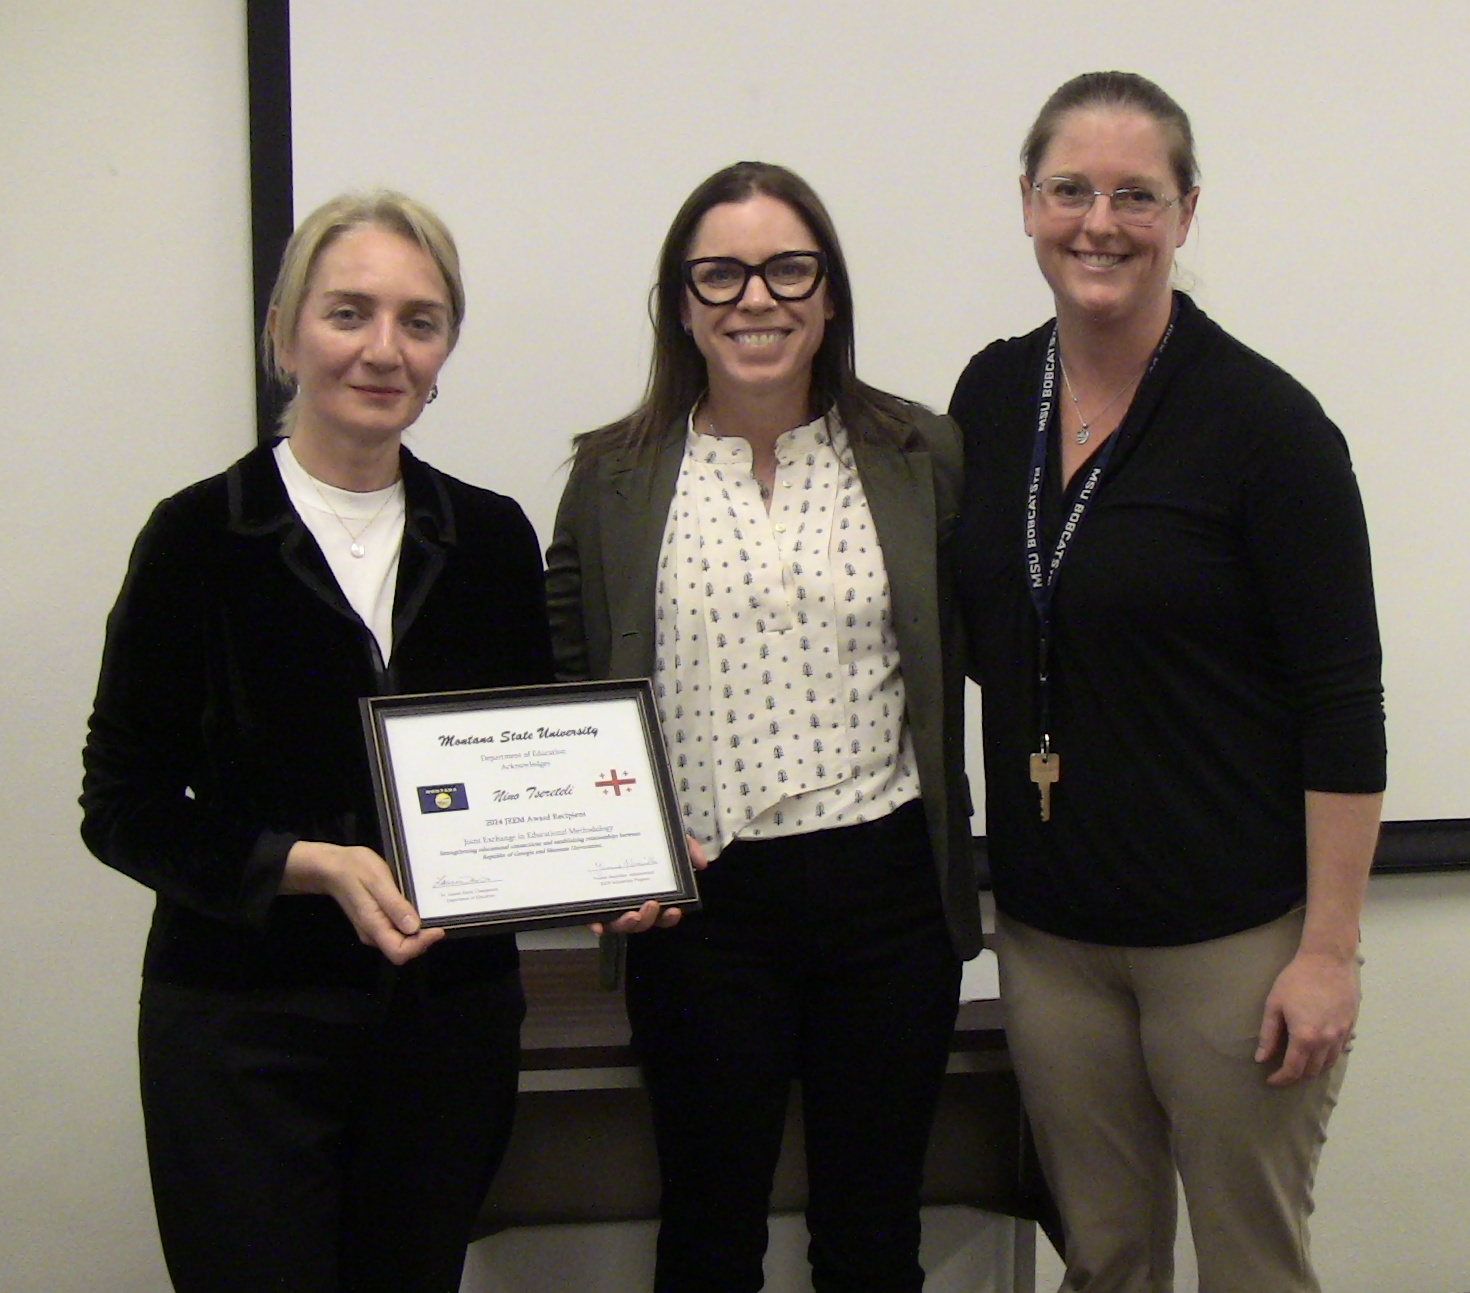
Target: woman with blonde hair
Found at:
326, 1089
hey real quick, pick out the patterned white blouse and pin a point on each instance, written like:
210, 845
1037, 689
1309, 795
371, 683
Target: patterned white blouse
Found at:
777, 671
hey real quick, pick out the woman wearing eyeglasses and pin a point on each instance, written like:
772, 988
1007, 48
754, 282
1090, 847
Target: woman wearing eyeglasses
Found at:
1164, 569
764, 537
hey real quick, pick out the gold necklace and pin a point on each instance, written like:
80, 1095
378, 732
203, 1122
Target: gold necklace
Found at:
356, 547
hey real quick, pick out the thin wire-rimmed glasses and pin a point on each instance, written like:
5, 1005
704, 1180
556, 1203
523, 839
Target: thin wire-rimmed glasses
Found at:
1072, 198
788, 276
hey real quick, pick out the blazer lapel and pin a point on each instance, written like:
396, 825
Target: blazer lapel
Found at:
899, 485
428, 530
634, 514
260, 508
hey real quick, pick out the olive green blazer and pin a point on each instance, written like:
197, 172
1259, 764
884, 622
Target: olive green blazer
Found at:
602, 569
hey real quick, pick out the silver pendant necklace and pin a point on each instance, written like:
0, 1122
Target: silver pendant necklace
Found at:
356, 547
1086, 432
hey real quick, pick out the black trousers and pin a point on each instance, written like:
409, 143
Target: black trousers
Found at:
326, 1140
822, 957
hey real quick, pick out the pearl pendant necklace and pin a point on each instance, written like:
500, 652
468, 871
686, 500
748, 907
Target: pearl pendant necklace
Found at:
355, 547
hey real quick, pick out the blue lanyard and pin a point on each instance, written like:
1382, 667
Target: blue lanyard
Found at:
1040, 574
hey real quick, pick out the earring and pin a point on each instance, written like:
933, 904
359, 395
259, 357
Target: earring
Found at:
433, 394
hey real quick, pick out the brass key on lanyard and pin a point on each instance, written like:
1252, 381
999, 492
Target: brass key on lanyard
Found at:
1046, 771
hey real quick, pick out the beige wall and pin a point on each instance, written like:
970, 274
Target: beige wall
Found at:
125, 372
124, 331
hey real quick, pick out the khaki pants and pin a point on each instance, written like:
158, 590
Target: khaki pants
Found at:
1135, 1062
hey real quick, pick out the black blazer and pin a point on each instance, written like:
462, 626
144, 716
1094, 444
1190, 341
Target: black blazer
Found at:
602, 571
226, 723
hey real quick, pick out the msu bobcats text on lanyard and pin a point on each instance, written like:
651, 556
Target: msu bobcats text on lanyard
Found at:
1046, 763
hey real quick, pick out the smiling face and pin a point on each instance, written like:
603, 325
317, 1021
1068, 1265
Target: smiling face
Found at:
758, 344
1098, 267
373, 332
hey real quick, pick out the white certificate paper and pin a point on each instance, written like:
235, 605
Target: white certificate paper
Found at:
527, 806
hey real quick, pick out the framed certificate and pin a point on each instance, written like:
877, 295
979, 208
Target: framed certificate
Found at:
520, 807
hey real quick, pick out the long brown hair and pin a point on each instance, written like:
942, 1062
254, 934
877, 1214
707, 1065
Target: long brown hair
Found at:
677, 376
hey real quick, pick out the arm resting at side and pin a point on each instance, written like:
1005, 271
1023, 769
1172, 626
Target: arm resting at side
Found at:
1313, 1004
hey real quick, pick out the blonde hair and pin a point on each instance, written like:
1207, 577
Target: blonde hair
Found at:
348, 211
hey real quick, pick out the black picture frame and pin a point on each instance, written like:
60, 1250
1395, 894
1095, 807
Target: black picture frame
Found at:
597, 834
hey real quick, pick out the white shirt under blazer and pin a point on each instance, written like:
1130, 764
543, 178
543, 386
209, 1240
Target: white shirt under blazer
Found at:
777, 667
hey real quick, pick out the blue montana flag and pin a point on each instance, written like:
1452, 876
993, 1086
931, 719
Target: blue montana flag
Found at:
443, 799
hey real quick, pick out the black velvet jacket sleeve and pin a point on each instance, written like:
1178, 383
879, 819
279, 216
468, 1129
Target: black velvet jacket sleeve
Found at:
226, 723
1215, 645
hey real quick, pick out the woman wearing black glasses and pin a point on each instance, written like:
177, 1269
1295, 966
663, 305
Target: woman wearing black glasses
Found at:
762, 537
1164, 568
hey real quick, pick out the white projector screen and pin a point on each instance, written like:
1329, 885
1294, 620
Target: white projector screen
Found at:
558, 140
